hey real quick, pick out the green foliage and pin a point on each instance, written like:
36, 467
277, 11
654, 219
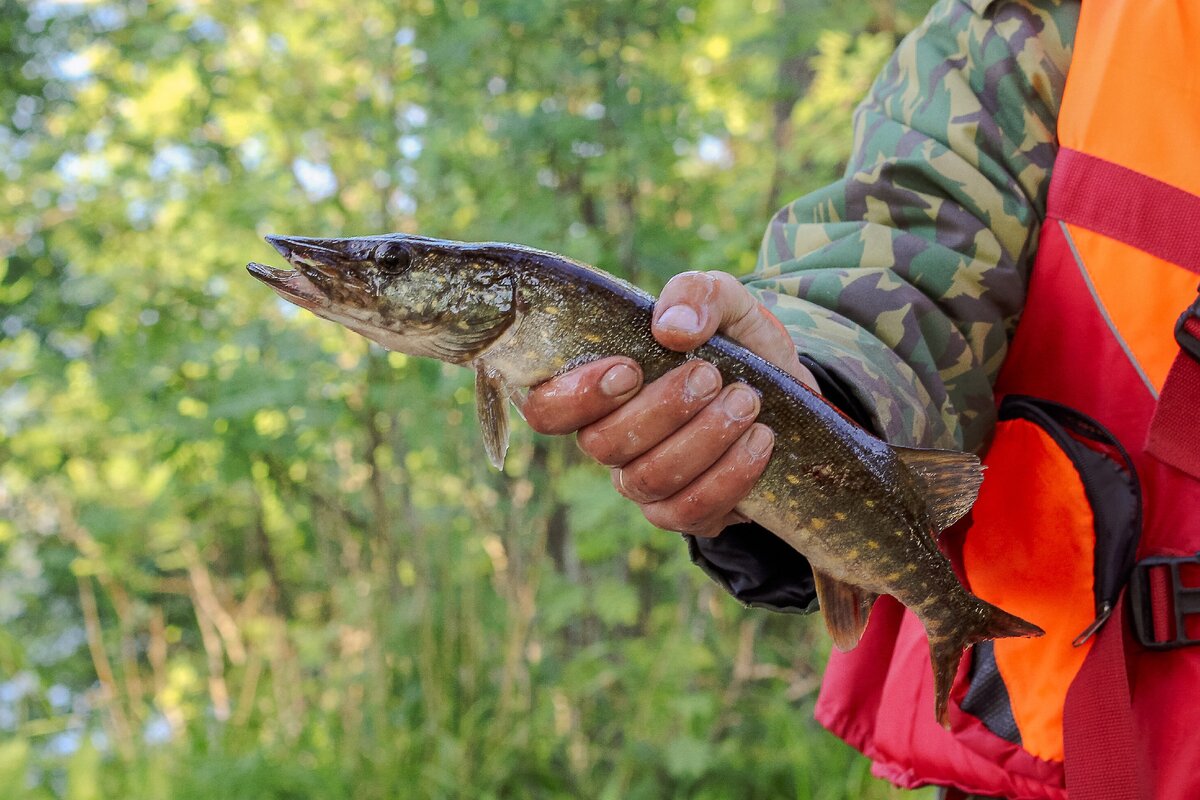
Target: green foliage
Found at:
243, 554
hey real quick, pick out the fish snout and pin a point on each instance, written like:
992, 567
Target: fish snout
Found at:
307, 251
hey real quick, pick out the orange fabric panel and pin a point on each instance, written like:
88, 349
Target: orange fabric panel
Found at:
1131, 104
1030, 551
1142, 295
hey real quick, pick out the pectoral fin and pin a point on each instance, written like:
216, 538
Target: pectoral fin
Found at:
846, 608
491, 404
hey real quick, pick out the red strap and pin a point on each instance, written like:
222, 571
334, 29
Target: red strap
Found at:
1143, 212
1161, 610
1098, 735
1125, 205
1174, 436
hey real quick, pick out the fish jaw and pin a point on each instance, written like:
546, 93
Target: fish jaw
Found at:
291, 285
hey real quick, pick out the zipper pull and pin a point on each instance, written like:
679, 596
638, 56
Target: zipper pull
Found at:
1105, 612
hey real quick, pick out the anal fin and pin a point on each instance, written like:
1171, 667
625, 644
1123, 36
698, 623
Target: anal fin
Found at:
846, 608
491, 405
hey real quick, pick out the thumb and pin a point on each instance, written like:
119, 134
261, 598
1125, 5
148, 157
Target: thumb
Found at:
696, 305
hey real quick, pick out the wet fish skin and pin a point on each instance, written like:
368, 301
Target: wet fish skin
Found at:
863, 512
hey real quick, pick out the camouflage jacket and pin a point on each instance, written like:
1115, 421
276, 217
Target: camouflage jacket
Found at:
904, 281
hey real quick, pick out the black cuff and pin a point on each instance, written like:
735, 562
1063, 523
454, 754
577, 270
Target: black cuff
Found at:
753, 564
756, 567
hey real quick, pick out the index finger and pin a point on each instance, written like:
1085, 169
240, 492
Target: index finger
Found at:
581, 396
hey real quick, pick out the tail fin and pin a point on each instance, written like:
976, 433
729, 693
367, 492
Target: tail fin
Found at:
946, 649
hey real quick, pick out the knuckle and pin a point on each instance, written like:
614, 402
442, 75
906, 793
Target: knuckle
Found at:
698, 288
738, 475
597, 443
749, 325
683, 280
538, 416
728, 282
743, 480
756, 323
731, 288
657, 517
560, 405
643, 485
691, 512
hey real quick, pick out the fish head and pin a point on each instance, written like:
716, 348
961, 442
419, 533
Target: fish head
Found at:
419, 296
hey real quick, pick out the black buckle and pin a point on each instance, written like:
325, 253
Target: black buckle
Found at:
1184, 602
1188, 342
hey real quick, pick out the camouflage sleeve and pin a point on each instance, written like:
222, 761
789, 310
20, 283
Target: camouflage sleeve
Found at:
903, 282
906, 278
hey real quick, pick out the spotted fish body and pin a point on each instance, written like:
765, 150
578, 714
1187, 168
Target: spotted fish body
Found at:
864, 513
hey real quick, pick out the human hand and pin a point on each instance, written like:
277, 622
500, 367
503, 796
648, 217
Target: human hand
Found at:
684, 448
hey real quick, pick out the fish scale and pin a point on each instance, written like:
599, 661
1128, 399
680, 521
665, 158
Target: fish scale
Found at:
864, 513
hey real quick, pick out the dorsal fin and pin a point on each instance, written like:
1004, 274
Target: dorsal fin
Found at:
951, 481
846, 608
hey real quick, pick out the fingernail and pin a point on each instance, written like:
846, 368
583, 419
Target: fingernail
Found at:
760, 440
629, 492
703, 381
741, 402
680, 318
618, 380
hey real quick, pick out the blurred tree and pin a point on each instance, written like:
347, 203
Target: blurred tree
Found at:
243, 553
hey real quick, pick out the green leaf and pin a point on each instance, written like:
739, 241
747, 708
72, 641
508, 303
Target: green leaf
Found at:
687, 757
14, 765
83, 773
615, 602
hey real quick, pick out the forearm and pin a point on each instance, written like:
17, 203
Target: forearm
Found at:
905, 279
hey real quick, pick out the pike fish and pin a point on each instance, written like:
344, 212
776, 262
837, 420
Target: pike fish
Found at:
863, 512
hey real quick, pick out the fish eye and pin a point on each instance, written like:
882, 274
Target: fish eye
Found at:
392, 256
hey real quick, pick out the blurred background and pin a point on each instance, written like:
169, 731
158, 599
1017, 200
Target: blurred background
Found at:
245, 555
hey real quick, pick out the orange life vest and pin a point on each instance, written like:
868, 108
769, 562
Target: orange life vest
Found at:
1098, 443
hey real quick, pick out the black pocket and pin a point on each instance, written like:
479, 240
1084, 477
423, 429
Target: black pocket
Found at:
1110, 481
1059, 492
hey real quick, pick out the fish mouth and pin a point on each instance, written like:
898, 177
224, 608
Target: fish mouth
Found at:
313, 259
291, 285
